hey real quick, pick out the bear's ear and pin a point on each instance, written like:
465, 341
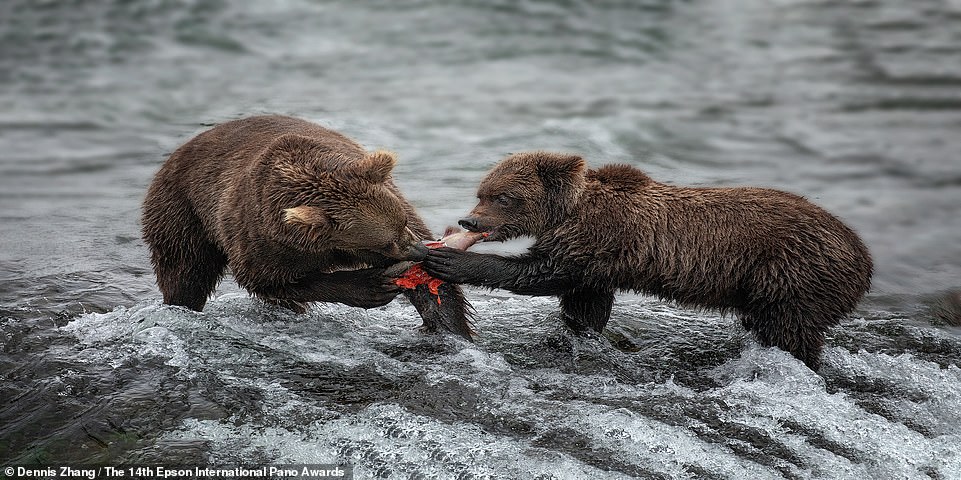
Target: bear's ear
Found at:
375, 167
554, 167
305, 215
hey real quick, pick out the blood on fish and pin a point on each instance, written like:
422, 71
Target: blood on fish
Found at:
415, 275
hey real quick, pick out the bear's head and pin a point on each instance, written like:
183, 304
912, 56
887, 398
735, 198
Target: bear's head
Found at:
323, 200
527, 194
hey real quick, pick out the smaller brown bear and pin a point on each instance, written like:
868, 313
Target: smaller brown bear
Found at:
789, 269
299, 214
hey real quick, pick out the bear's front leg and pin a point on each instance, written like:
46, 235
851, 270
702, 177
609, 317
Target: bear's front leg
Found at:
525, 274
587, 308
365, 288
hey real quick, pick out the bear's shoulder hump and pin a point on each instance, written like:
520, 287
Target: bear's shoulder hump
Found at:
620, 174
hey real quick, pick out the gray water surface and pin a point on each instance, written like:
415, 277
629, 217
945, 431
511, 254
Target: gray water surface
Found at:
855, 105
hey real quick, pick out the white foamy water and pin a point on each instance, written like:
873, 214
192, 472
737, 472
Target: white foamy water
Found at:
347, 386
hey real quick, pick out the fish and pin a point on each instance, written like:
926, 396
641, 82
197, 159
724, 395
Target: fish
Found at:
453, 238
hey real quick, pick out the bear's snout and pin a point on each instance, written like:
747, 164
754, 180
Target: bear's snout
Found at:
407, 247
469, 223
399, 251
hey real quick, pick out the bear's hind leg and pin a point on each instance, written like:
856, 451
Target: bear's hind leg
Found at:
584, 309
187, 265
189, 278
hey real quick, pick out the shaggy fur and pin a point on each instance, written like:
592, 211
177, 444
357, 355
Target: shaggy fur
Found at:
297, 212
789, 269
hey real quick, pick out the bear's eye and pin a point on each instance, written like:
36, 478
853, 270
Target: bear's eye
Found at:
503, 200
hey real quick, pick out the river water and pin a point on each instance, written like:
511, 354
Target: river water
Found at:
856, 105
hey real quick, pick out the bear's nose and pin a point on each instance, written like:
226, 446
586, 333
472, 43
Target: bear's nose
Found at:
468, 223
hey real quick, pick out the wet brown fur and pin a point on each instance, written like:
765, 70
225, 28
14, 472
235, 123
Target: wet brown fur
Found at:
299, 213
789, 269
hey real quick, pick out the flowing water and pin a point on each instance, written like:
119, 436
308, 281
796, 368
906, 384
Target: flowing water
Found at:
856, 105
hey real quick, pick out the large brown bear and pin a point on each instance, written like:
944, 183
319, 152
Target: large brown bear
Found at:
789, 269
299, 214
